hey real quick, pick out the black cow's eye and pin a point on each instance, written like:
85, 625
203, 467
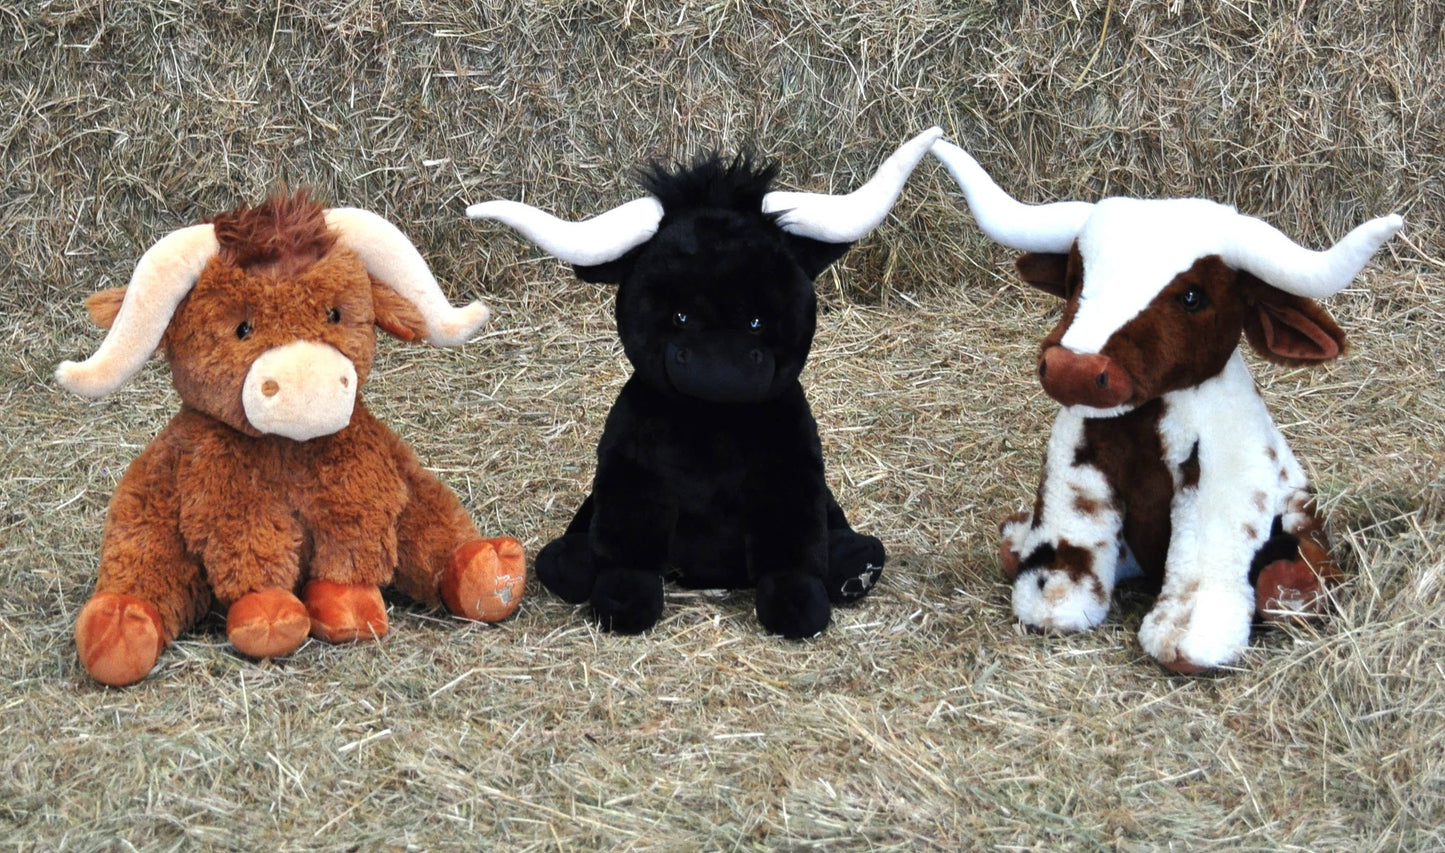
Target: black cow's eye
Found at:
755, 325
333, 316
679, 319
1194, 300
244, 329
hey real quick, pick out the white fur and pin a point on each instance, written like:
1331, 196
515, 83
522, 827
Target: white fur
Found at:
845, 218
391, 258
162, 278
313, 392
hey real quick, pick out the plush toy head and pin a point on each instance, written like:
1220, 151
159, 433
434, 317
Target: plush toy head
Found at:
266, 328
1159, 290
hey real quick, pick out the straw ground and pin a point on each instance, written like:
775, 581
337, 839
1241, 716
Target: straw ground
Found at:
924, 717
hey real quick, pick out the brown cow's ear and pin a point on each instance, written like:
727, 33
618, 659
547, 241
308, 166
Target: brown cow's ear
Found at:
395, 314
103, 306
1288, 329
1048, 272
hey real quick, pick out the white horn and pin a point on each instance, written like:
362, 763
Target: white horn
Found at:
390, 257
1261, 249
1023, 227
162, 278
605, 237
845, 218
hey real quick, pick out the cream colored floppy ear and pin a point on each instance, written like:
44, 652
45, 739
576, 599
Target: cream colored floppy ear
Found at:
392, 259
162, 278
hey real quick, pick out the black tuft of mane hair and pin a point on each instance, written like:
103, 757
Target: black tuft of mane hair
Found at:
710, 182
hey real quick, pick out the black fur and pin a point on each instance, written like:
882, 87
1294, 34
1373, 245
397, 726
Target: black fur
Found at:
709, 470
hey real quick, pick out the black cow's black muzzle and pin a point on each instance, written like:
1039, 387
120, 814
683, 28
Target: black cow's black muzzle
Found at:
720, 368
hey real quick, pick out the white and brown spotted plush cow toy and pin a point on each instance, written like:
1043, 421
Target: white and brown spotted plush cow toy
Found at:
1163, 458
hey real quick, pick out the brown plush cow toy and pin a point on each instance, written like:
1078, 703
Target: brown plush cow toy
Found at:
274, 478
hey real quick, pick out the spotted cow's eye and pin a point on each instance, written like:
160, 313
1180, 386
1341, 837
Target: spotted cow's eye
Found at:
333, 316
243, 330
1194, 300
755, 325
679, 319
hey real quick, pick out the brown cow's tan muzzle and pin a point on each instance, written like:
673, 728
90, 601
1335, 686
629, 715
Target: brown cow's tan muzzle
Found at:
302, 390
1080, 379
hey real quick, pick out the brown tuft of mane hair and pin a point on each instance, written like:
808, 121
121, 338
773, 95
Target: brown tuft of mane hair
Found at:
282, 236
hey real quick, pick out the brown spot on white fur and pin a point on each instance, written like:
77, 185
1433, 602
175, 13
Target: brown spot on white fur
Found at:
1258, 498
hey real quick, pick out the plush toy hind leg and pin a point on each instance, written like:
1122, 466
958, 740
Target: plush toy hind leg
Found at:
565, 565
149, 589
1293, 572
855, 560
442, 559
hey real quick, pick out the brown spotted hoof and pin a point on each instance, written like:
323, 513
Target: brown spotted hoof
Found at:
484, 579
1008, 558
118, 637
267, 623
345, 613
1184, 666
1298, 589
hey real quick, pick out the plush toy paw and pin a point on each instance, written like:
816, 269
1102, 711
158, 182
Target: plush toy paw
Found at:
627, 601
345, 613
118, 638
1011, 532
1294, 590
484, 579
793, 604
855, 562
267, 623
1199, 628
1056, 600
565, 568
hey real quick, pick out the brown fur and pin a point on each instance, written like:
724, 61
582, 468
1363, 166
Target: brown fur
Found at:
213, 510
1127, 451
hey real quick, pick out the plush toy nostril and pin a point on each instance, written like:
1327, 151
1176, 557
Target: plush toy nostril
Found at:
1102, 380
681, 356
270, 388
756, 355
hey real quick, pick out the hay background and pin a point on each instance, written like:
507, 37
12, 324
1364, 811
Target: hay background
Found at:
924, 717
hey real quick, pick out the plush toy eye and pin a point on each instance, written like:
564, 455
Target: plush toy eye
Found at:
333, 316
1194, 300
755, 325
243, 330
679, 319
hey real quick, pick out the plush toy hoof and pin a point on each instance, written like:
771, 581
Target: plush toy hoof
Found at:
793, 605
345, 613
1289, 591
565, 568
627, 601
267, 623
1184, 666
855, 563
484, 580
118, 638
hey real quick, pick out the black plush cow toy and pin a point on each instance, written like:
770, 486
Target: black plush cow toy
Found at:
710, 471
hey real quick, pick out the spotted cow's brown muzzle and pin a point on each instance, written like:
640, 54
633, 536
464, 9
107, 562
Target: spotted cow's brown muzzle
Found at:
1078, 379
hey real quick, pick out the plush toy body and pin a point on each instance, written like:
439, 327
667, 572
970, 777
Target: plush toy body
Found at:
274, 479
1164, 459
710, 470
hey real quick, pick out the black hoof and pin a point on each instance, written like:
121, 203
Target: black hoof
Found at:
855, 563
565, 568
627, 601
793, 605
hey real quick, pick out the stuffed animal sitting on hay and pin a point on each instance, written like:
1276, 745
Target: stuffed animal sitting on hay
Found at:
274, 478
710, 470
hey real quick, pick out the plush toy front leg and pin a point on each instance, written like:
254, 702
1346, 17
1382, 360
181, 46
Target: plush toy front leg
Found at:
344, 613
631, 529
790, 551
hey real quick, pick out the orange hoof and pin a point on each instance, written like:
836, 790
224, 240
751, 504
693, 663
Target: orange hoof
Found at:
484, 579
345, 613
267, 623
118, 638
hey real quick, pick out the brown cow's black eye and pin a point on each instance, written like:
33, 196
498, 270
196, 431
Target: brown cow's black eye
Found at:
679, 319
1193, 300
333, 316
244, 329
755, 325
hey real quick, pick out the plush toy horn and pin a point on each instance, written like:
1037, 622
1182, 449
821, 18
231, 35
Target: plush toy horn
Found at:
609, 236
391, 258
1261, 249
845, 218
1023, 227
162, 278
